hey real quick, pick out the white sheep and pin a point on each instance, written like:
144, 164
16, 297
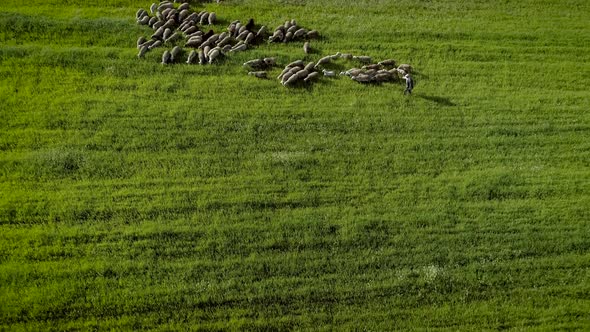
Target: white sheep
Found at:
329, 73
166, 57
306, 48
192, 57
258, 74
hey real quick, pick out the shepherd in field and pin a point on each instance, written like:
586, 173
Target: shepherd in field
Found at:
409, 84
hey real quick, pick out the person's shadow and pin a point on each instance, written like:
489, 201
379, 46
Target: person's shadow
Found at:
439, 100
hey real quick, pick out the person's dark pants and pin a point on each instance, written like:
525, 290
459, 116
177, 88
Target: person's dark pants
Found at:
408, 90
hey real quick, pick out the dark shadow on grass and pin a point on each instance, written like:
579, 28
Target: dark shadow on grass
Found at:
443, 101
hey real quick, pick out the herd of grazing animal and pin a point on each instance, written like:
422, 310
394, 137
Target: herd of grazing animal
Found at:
172, 22
298, 72
290, 31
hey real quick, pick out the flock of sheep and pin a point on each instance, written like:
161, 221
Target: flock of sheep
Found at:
172, 22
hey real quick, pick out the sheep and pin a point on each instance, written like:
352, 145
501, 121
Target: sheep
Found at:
166, 11
212, 18
277, 36
147, 43
184, 6
173, 38
286, 76
152, 21
296, 76
224, 41
346, 56
296, 63
158, 34
237, 28
323, 61
214, 54
195, 34
239, 47
204, 18
142, 51
165, 5
306, 48
157, 25
255, 63
336, 56
270, 61
153, 8
299, 33
249, 38
202, 57
258, 74
156, 43
172, 15
363, 58
183, 14
169, 24
292, 29
166, 57
140, 41
191, 29
194, 42
144, 20
286, 70
405, 67
329, 73
382, 77
310, 66
372, 66
226, 48
362, 78
313, 34
288, 36
261, 32
174, 53
167, 33
208, 34
387, 63
184, 25
223, 35
210, 41
353, 72
243, 35
192, 57
140, 13
311, 76
206, 50
371, 72
193, 18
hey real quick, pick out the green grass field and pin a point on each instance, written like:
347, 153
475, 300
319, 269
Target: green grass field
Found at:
140, 196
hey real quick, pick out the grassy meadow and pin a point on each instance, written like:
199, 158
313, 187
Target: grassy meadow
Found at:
137, 196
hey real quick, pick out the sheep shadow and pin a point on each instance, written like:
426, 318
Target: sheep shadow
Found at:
443, 101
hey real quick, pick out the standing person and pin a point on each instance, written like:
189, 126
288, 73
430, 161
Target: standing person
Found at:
409, 83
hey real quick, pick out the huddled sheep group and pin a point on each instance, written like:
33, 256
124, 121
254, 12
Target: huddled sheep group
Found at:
290, 31
298, 71
383, 71
173, 22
